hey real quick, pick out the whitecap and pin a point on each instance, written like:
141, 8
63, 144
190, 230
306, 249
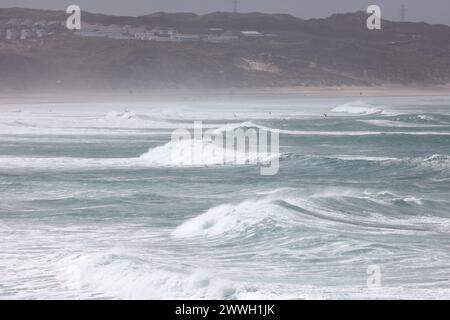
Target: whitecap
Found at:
397, 124
191, 152
234, 218
425, 117
358, 108
124, 276
120, 115
249, 124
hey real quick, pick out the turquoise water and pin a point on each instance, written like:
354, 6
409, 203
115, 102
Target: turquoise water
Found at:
87, 210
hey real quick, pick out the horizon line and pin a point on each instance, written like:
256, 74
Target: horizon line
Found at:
218, 11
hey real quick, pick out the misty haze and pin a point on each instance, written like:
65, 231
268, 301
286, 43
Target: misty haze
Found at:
224, 150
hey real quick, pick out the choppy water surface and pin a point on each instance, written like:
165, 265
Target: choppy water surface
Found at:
91, 207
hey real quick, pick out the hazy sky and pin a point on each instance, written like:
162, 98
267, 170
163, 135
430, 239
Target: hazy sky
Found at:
434, 11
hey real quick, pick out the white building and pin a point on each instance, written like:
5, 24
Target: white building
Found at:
40, 23
165, 35
11, 34
27, 23
53, 24
14, 22
222, 37
135, 30
102, 31
251, 34
25, 34
143, 36
150, 36
185, 37
216, 31
39, 32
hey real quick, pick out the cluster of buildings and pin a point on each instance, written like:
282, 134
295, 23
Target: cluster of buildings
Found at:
97, 30
171, 35
214, 35
11, 29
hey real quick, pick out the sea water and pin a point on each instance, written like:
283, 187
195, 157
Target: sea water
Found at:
92, 207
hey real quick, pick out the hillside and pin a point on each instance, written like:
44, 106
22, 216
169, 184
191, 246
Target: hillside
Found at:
39, 54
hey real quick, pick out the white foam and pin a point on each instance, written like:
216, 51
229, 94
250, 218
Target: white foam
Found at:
435, 161
234, 126
397, 124
4, 228
196, 153
439, 158
45, 131
364, 133
363, 158
117, 275
249, 124
273, 191
120, 115
358, 108
201, 153
275, 211
113, 123
424, 117
414, 200
235, 218
65, 163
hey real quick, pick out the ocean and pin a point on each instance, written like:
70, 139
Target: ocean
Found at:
92, 208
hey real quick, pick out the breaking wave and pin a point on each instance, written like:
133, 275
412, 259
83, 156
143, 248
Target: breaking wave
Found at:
123, 276
251, 125
434, 162
323, 209
234, 218
179, 154
425, 117
359, 108
202, 153
120, 115
239, 125
399, 124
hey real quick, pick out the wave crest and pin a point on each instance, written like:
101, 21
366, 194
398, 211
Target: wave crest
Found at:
125, 115
323, 209
358, 108
235, 218
127, 277
202, 153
